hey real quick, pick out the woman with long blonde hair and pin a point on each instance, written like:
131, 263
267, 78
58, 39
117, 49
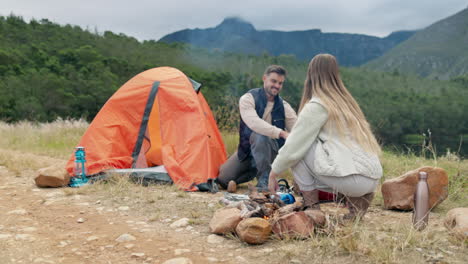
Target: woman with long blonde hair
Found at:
331, 146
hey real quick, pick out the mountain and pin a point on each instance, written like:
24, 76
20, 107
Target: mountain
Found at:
438, 51
239, 36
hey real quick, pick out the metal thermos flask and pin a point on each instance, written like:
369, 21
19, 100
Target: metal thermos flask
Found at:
421, 203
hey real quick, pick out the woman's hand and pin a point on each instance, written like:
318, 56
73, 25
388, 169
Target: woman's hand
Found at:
272, 182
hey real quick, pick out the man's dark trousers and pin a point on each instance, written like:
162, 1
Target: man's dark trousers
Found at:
263, 151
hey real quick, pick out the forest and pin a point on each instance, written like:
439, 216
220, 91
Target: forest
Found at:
50, 71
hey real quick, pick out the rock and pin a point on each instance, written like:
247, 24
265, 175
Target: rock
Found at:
254, 230
211, 259
17, 212
457, 221
215, 239
178, 261
42, 260
183, 222
29, 229
123, 208
240, 259
92, 238
53, 176
181, 251
398, 192
125, 238
25, 237
138, 255
5, 236
225, 220
80, 220
317, 216
62, 244
294, 225
129, 246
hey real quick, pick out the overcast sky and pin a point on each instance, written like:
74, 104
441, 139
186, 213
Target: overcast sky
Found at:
152, 19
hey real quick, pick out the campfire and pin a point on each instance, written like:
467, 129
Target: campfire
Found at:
255, 216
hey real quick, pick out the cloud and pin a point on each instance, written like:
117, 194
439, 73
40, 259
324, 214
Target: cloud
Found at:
149, 19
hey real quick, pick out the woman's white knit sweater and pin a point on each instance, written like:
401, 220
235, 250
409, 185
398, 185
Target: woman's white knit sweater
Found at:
307, 132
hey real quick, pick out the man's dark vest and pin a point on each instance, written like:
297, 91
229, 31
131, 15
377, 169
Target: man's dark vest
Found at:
277, 120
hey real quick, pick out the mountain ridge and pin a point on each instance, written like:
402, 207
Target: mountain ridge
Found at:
235, 34
438, 51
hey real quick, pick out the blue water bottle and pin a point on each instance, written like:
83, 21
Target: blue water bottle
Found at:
79, 173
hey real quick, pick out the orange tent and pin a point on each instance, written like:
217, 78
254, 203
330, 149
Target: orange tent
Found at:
159, 117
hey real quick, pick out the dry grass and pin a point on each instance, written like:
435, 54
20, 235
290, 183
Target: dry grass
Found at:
383, 237
55, 139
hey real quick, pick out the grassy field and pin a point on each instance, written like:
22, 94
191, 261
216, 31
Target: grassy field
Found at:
386, 236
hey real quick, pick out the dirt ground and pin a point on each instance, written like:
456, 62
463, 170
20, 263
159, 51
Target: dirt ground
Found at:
42, 225
60, 225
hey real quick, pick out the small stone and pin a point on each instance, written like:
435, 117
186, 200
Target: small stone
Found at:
62, 244
129, 246
25, 237
125, 238
123, 208
267, 250
241, 259
17, 212
82, 212
80, 220
181, 251
42, 260
5, 236
457, 222
215, 239
178, 261
183, 222
295, 261
29, 229
92, 238
138, 255
211, 259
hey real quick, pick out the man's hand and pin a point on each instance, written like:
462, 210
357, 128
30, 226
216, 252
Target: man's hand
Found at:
273, 183
284, 134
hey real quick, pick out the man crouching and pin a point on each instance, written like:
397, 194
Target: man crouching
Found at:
265, 122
